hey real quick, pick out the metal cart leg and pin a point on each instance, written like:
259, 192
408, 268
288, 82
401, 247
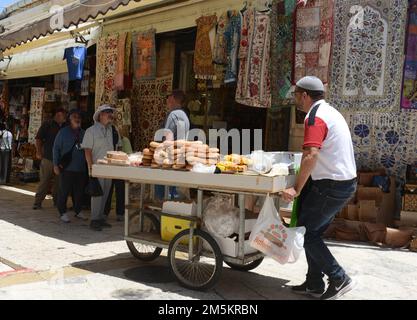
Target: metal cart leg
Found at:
141, 206
166, 193
242, 217
200, 203
127, 184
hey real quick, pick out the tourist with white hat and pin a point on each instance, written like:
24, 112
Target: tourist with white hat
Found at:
98, 140
324, 185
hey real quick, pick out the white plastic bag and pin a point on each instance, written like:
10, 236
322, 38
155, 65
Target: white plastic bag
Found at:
275, 240
221, 217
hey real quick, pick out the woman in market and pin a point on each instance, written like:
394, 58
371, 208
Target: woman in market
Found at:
70, 165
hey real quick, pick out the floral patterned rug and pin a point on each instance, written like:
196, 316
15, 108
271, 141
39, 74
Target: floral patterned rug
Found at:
148, 109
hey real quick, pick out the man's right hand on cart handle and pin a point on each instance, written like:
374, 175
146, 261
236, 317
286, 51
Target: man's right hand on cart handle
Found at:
308, 162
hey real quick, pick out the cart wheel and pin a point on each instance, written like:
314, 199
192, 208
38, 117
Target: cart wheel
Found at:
246, 267
146, 252
205, 267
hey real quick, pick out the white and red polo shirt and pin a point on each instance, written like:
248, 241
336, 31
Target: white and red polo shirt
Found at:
326, 129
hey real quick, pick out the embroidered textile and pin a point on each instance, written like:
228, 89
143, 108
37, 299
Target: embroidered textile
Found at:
253, 87
409, 94
106, 70
128, 51
232, 35
313, 39
384, 139
149, 109
203, 55
282, 51
166, 58
368, 47
144, 55
219, 53
119, 78
123, 113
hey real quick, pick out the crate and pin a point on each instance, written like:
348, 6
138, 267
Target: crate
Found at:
410, 202
171, 226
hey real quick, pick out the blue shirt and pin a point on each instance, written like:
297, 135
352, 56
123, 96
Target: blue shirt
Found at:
63, 143
75, 57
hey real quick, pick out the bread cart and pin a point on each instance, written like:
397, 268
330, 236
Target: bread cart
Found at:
194, 255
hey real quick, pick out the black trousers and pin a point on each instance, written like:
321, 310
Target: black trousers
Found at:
119, 186
71, 183
5, 166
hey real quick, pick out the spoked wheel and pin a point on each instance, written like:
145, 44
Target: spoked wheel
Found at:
245, 267
146, 252
204, 268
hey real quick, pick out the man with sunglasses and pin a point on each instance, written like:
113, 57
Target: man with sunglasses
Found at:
70, 166
324, 185
98, 140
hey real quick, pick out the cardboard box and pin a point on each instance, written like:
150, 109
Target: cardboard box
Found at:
368, 211
387, 209
370, 193
408, 218
365, 178
230, 247
179, 208
352, 212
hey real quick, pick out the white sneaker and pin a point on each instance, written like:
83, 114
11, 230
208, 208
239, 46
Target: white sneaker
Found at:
81, 216
65, 218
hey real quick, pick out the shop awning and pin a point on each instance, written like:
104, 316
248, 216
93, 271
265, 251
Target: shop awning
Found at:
45, 19
42, 60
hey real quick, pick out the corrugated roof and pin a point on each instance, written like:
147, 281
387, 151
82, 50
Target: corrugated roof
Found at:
40, 20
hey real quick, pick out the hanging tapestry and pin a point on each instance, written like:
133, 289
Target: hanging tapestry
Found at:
232, 36
37, 103
123, 116
219, 52
120, 66
282, 51
144, 55
203, 55
166, 58
61, 82
106, 70
127, 53
149, 109
384, 139
85, 83
313, 39
254, 87
368, 46
409, 94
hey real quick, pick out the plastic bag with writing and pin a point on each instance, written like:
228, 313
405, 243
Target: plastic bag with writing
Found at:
275, 240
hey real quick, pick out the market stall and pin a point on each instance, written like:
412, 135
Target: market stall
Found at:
195, 256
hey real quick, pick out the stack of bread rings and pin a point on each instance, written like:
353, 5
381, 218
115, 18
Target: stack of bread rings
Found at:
148, 154
179, 155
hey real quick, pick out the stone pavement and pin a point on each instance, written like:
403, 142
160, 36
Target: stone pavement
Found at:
41, 258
